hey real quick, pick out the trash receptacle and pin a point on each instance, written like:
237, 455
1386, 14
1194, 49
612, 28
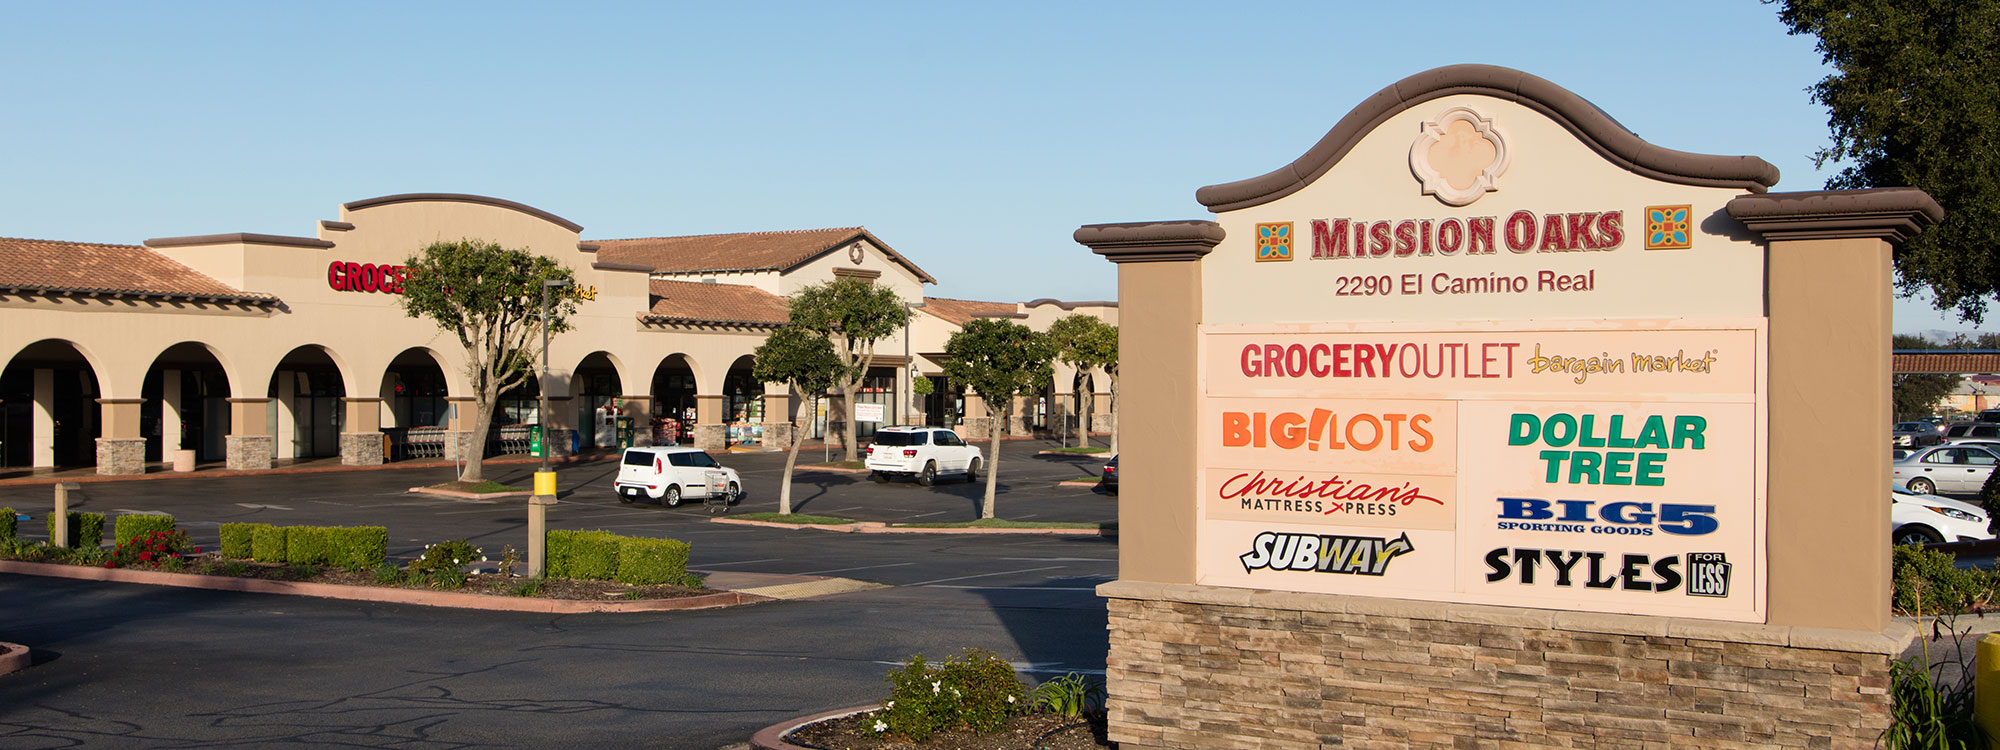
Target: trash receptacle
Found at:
183, 461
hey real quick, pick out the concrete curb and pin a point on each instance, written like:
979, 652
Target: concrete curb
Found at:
773, 736
1078, 483
452, 599
471, 495
877, 527
834, 469
14, 657
214, 473
1106, 454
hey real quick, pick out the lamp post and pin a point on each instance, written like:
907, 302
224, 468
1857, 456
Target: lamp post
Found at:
545, 479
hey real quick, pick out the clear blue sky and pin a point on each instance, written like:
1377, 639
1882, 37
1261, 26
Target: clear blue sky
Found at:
973, 137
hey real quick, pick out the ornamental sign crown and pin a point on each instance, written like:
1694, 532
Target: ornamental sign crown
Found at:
1459, 156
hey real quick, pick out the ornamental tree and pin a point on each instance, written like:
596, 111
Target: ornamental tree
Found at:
805, 361
490, 297
1912, 102
1086, 342
1000, 360
852, 314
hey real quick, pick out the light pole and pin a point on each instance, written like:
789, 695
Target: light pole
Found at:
545, 479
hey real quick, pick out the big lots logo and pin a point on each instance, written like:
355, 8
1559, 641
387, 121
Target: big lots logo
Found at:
366, 277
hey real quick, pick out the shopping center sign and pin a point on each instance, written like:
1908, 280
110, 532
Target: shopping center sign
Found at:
1491, 389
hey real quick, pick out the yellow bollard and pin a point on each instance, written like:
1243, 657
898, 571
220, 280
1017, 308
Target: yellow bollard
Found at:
1986, 684
545, 483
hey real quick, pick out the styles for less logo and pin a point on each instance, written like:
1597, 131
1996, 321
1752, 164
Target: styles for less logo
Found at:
1324, 553
1704, 573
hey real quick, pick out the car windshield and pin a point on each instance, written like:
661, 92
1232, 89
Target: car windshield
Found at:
902, 438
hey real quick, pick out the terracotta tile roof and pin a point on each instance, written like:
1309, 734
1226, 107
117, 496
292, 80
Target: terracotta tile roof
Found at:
1954, 362
90, 268
958, 312
744, 251
696, 302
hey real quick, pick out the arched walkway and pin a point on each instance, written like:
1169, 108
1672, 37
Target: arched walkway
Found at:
49, 416
594, 391
306, 388
415, 413
674, 408
186, 392
743, 402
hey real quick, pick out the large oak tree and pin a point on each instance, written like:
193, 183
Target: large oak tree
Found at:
853, 314
1912, 102
1000, 360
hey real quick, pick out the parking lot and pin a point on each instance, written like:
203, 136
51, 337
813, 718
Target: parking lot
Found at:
251, 669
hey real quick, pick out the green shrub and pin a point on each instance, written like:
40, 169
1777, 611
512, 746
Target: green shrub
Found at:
140, 524
85, 529
652, 561
355, 548
1989, 498
1928, 582
236, 539
451, 555
583, 555
267, 543
387, 573
1069, 696
153, 549
977, 689
9, 522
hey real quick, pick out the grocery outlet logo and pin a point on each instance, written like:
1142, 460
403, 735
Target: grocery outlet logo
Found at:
1324, 553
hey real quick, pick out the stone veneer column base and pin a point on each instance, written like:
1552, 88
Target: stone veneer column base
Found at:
250, 452
975, 428
711, 437
1202, 666
457, 444
1017, 426
560, 442
121, 456
777, 435
361, 449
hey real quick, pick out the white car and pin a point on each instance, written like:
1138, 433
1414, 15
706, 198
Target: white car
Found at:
1949, 468
669, 474
1926, 519
921, 452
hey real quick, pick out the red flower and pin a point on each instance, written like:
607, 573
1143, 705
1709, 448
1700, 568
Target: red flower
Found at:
110, 564
147, 556
197, 550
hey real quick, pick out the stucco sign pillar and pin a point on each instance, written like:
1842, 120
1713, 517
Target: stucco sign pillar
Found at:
1483, 408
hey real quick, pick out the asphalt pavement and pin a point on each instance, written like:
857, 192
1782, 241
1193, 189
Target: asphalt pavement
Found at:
123, 665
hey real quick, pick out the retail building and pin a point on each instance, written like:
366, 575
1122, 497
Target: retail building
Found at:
252, 348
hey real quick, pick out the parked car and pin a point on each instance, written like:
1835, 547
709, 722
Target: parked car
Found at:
1914, 435
1971, 431
1948, 468
669, 474
921, 452
1110, 480
1925, 519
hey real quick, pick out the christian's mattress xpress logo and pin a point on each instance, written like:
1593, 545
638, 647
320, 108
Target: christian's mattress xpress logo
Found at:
1324, 553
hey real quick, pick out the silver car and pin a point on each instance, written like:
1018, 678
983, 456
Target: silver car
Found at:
1949, 468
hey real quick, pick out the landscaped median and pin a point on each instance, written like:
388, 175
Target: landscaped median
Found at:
588, 571
981, 526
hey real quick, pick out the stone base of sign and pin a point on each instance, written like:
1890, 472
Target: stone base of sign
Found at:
249, 452
361, 449
121, 456
711, 437
777, 435
1202, 666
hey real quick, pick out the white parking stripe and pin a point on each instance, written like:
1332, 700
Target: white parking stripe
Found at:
984, 575
844, 570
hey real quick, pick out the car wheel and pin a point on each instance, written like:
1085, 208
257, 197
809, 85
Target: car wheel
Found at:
1914, 534
1111, 489
929, 475
972, 471
735, 493
1922, 486
673, 497
879, 477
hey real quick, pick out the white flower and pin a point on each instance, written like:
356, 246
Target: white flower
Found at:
881, 726
937, 687
892, 704
482, 558
1010, 699
954, 693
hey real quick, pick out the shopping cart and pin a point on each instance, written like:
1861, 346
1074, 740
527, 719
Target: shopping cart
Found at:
717, 500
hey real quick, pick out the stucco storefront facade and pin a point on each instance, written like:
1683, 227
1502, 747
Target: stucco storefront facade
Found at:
252, 349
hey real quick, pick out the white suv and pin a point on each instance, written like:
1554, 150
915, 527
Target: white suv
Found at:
921, 452
668, 474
